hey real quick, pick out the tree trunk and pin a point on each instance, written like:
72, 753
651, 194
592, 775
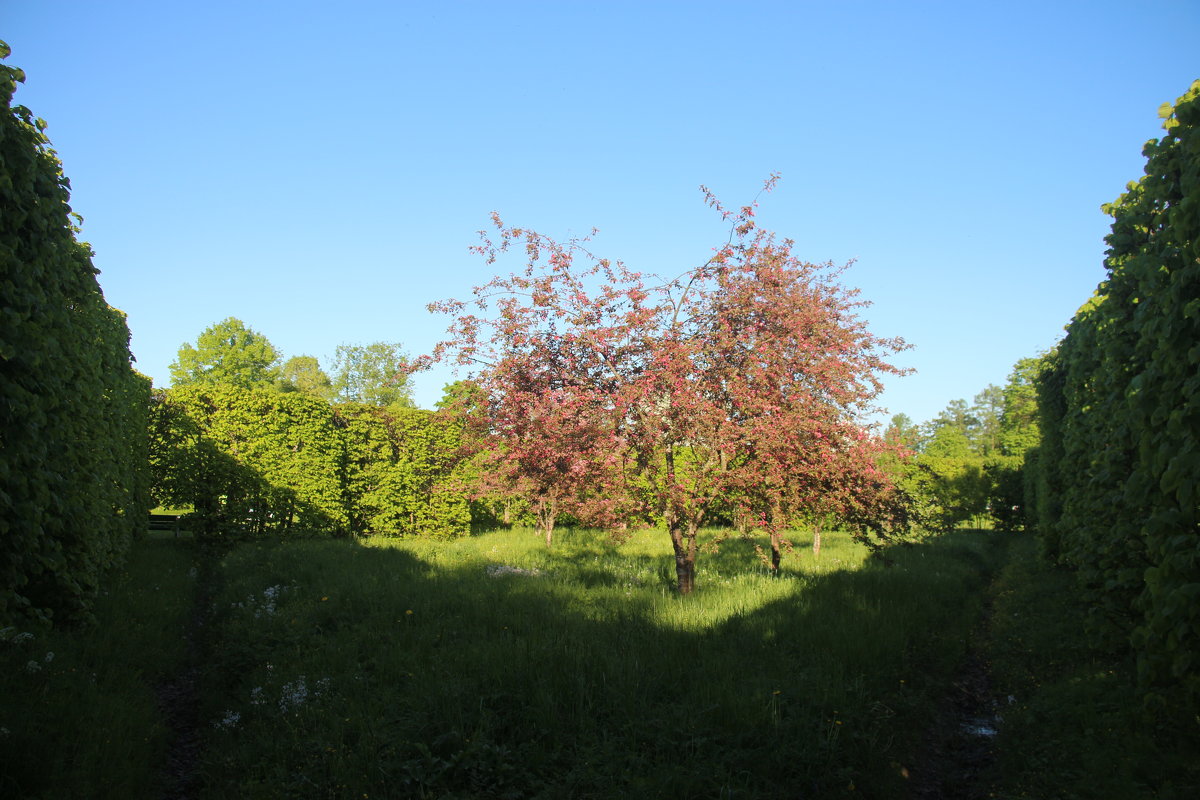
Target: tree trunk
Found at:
775, 526
816, 541
742, 521
683, 541
547, 510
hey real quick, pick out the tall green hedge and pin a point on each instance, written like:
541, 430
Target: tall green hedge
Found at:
1120, 460
403, 466
249, 460
257, 461
73, 483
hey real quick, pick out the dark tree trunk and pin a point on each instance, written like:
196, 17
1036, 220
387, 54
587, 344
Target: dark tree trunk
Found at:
683, 541
776, 523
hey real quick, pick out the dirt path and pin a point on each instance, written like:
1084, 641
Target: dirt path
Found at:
959, 743
179, 696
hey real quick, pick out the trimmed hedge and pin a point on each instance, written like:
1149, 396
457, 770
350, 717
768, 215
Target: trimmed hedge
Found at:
1118, 491
260, 461
73, 483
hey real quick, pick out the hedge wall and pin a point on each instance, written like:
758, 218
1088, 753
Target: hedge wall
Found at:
257, 461
73, 483
1119, 466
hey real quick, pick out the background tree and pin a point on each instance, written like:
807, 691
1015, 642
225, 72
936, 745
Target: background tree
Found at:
1018, 440
304, 374
952, 476
228, 353
903, 432
987, 409
375, 374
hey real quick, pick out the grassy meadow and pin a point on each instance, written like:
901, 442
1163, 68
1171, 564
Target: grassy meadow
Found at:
491, 667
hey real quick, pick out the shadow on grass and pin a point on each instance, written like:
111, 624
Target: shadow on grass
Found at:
372, 670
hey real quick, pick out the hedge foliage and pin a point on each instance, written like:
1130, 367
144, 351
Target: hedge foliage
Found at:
73, 482
259, 461
1118, 493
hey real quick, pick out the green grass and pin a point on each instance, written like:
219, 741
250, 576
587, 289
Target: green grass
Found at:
426, 676
79, 716
1074, 727
491, 667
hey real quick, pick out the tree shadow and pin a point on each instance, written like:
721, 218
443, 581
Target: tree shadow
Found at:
446, 678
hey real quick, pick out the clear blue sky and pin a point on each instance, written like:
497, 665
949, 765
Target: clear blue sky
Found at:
319, 169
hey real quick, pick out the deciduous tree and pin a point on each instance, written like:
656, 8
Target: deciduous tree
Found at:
228, 353
304, 374
375, 374
670, 391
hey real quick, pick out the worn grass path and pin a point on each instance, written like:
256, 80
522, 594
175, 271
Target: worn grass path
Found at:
178, 693
959, 743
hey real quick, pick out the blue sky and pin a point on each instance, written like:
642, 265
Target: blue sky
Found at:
319, 170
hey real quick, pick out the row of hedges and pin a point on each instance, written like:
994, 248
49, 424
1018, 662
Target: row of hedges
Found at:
257, 461
73, 482
1118, 489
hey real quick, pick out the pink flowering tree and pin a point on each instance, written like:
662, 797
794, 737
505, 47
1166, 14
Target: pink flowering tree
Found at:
746, 376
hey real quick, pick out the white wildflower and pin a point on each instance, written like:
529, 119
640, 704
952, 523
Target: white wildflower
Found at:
497, 570
49, 657
32, 667
24, 636
256, 697
294, 695
230, 720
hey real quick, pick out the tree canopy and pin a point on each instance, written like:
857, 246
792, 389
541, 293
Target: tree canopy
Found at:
227, 353
304, 374
747, 376
375, 374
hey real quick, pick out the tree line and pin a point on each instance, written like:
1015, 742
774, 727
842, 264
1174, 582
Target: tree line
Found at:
967, 464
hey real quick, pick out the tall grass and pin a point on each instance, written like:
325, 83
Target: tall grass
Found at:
492, 667
79, 715
1074, 726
